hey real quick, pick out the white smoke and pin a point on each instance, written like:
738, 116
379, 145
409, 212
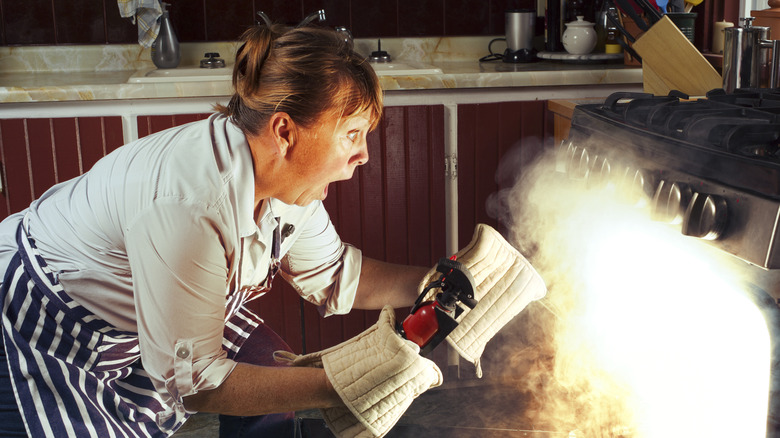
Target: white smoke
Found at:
643, 333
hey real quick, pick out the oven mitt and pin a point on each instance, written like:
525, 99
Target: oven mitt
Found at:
377, 374
505, 283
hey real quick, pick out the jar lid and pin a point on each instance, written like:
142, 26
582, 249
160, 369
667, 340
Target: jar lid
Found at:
580, 22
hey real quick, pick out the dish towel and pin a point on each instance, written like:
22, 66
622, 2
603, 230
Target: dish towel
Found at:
147, 13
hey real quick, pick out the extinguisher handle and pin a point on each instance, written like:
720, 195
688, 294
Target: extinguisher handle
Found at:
469, 302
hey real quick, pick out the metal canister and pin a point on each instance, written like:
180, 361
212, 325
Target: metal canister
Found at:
746, 59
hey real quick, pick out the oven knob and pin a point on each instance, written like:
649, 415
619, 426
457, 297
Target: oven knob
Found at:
563, 156
670, 202
579, 163
705, 217
636, 186
599, 173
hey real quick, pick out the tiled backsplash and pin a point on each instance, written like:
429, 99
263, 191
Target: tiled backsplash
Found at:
60, 22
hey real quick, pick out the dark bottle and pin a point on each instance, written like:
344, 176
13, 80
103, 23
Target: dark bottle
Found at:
608, 33
165, 49
553, 42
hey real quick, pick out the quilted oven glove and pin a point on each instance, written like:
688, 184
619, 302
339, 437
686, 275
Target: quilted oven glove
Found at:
505, 284
377, 374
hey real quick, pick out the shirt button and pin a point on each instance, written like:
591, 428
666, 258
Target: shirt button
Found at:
182, 353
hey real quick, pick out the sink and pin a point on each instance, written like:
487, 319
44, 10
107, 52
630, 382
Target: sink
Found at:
404, 68
183, 74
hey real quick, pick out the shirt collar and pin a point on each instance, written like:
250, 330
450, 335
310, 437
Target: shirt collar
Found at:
245, 186
244, 181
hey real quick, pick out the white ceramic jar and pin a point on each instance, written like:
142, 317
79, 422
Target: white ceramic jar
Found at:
579, 38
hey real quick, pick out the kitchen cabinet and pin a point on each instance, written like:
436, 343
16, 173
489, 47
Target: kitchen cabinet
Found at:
149, 124
562, 110
37, 153
493, 136
393, 209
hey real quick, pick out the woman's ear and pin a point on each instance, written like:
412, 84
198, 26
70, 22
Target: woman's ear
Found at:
283, 132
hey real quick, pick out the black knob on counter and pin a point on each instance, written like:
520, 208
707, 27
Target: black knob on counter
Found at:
670, 201
706, 216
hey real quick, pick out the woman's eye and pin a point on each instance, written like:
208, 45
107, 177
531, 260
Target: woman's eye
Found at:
352, 136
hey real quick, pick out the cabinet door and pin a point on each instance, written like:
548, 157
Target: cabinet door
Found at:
392, 209
154, 123
38, 153
488, 135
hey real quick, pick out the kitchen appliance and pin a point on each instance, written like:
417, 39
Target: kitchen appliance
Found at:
708, 167
750, 58
520, 31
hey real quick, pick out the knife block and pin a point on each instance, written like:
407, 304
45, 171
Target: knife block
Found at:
671, 62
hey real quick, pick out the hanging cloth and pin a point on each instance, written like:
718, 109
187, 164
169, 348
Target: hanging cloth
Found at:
146, 13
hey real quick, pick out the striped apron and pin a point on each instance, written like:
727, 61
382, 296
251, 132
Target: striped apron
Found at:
75, 375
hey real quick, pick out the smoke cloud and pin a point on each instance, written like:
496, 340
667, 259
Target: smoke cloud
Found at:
643, 332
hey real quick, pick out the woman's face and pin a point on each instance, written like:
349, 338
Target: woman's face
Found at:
328, 152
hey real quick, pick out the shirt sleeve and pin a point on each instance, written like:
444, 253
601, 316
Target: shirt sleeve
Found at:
180, 270
324, 270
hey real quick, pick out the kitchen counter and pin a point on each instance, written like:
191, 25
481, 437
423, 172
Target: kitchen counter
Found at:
89, 73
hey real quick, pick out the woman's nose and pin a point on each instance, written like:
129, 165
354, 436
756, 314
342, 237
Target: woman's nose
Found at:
361, 157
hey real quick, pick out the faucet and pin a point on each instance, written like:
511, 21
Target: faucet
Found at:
318, 15
345, 34
265, 18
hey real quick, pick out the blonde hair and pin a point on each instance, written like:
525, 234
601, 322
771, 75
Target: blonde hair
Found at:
305, 72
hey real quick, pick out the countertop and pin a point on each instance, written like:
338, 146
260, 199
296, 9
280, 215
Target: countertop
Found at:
84, 73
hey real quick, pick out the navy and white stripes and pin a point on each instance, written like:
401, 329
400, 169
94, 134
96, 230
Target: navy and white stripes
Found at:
75, 375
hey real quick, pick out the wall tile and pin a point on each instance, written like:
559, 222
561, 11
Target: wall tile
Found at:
79, 22
420, 17
281, 11
28, 22
118, 30
188, 18
498, 9
374, 18
466, 17
337, 12
2, 26
32, 22
227, 20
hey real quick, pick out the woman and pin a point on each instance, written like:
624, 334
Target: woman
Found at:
123, 300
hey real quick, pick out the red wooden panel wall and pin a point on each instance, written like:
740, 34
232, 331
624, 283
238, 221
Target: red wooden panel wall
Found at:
38, 153
486, 133
392, 209
151, 124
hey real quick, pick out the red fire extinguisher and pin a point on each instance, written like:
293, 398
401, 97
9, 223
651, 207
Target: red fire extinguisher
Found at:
430, 321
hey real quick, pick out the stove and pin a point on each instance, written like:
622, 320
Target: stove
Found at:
710, 165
